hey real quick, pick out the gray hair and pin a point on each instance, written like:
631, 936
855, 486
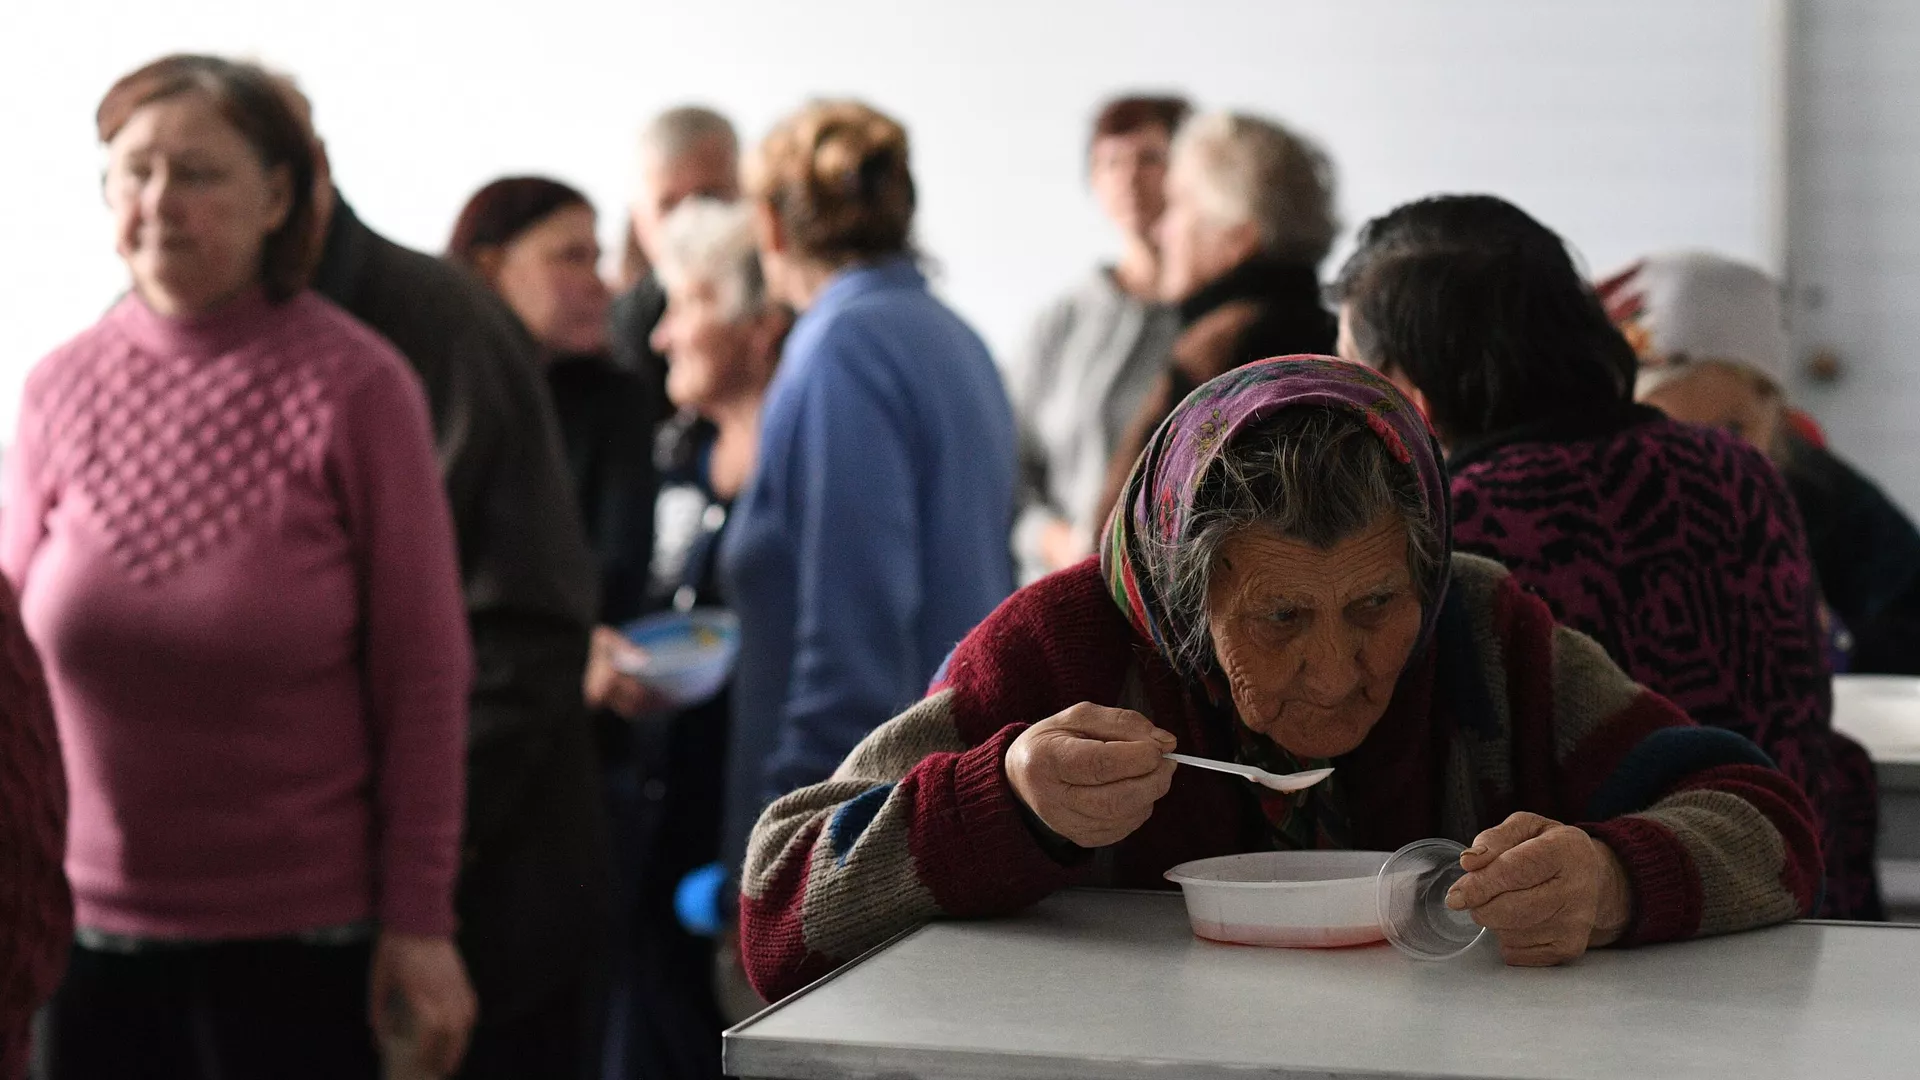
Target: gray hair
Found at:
1254, 171
706, 240
679, 130
1313, 474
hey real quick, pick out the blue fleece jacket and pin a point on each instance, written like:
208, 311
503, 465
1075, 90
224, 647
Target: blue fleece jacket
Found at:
874, 534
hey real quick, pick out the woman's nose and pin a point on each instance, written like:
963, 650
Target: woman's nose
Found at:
160, 196
1330, 670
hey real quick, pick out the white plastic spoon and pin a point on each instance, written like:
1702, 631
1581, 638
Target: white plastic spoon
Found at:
1299, 781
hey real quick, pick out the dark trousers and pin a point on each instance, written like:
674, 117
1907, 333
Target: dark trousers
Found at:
272, 1010
664, 800
551, 1042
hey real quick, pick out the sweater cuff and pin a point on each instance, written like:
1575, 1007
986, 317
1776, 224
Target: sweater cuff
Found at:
1006, 866
1661, 876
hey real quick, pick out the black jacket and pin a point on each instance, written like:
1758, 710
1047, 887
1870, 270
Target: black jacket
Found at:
605, 429
1262, 308
534, 881
1867, 555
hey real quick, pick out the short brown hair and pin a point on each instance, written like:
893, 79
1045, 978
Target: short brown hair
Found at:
1137, 112
249, 99
836, 174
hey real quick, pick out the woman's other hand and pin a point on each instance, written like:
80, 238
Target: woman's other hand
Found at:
607, 686
420, 993
1548, 891
1091, 774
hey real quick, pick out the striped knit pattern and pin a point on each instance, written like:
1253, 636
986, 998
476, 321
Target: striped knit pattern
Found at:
36, 909
920, 821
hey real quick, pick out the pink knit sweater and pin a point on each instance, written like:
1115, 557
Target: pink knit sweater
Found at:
232, 550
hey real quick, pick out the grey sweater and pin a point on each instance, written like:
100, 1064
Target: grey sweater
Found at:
1093, 356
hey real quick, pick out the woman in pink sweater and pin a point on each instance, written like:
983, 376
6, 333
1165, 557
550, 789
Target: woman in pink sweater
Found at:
231, 547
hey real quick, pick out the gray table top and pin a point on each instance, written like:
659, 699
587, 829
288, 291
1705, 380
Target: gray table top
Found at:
1113, 986
1882, 712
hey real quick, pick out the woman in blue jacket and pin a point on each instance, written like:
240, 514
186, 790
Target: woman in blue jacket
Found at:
873, 534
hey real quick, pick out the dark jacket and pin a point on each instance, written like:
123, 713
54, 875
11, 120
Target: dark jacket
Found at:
635, 314
605, 429
533, 889
1867, 555
1264, 307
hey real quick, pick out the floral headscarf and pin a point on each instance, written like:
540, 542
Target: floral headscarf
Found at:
1159, 502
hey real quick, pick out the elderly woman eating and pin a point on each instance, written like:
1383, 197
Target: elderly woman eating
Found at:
1278, 588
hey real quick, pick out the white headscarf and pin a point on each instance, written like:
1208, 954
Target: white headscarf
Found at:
1681, 308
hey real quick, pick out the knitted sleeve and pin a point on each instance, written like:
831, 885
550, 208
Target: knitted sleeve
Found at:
36, 911
417, 663
1713, 838
26, 486
914, 824
920, 820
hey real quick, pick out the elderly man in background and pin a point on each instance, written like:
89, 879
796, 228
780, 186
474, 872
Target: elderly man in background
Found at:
686, 152
534, 881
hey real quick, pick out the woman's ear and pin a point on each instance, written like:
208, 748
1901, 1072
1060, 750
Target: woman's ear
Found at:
279, 196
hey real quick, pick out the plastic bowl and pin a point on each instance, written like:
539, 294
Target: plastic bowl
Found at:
1289, 899
689, 655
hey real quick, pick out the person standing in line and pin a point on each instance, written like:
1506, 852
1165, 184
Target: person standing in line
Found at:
1249, 217
687, 152
873, 533
535, 884
230, 544
533, 241
1095, 352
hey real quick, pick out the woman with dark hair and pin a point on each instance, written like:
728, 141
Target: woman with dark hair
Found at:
1676, 547
1278, 588
1249, 217
532, 240
230, 544
1095, 351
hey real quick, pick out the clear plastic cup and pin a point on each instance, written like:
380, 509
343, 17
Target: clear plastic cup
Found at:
1412, 895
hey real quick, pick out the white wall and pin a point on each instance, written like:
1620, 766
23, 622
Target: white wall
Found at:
1855, 227
1631, 125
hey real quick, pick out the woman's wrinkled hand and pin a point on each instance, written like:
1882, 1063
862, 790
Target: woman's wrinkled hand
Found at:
606, 686
1548, 891
1091, 773
421, 983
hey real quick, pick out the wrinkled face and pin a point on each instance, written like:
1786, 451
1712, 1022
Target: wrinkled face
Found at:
712, 358
1129, 177
548, 275
707, 169
1313, 641
192, 204
1722, 396
1195, 248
